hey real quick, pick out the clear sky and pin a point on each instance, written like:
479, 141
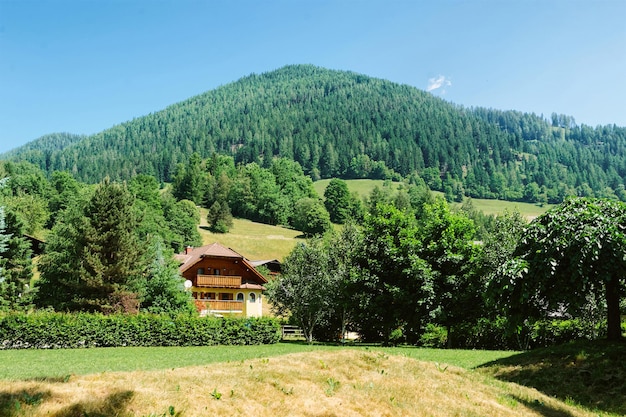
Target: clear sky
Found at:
82, 66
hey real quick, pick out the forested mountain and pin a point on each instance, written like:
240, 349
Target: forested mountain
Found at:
343, 124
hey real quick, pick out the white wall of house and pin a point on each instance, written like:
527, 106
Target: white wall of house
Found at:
254, 304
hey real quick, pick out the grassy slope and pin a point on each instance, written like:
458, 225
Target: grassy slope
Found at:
309, 381
258, 241
255, 241
364, 188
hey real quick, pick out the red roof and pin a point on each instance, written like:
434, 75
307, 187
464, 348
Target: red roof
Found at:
193, 255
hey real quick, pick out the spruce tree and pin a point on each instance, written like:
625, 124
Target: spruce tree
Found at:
112, 251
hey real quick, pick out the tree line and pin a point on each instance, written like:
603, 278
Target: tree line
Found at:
404, 267
108, 246
339, 124
416, 274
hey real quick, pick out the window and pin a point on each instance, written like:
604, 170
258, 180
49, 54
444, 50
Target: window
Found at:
252, 297
239, 296
216, 272
200, 271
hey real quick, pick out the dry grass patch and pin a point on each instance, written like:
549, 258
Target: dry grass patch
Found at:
344, 383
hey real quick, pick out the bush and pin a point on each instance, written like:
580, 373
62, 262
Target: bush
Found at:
434, 336
48, 330
496, 333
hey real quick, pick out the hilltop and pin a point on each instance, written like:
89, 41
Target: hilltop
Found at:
348, 125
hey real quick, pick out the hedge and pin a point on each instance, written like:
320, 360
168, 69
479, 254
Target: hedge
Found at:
49, 330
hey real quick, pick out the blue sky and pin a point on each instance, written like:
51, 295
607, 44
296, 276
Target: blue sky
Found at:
82, 66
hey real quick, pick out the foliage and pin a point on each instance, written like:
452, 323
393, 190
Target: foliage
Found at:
447, 247
347, 125
219, 218
303, 289
16, 267
578, 246
395, 286
95, 260
310, 217
337, 201
163, 290
46, 330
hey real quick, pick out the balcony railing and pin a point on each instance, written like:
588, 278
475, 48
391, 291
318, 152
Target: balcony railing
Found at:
218, 281
224, 305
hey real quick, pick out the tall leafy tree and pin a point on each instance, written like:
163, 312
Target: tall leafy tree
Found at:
448, 248
219, 217
566, 255
337, 200
396, 286
16, 264
304, 288
162, 290
310, 217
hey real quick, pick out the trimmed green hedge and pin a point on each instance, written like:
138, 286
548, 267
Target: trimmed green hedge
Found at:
48, 330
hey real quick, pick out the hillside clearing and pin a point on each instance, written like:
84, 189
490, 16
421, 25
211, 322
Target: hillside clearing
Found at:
255, 241
323, 383
364, 188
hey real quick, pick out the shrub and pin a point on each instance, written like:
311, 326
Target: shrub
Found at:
434, 336
48, 330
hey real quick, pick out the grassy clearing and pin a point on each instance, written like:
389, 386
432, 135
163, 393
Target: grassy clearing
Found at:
255, 241
364, 188
323, 382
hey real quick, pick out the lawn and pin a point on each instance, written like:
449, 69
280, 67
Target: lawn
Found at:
58, 363
300, 380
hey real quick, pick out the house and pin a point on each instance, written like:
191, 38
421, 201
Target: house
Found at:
273, 266
222, 281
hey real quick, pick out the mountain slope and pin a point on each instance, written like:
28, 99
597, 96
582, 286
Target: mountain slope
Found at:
343, 124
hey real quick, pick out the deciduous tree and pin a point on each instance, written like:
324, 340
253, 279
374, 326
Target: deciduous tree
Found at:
569, 253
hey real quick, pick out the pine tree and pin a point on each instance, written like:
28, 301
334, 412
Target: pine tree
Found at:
112, 251
94, 258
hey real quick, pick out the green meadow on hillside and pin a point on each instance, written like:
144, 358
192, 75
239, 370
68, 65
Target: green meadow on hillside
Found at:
258, 241
255, 241
364, 187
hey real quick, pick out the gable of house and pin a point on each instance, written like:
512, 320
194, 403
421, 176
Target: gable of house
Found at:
222, 280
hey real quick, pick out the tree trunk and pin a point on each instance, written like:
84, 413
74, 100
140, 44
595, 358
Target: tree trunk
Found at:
614, 329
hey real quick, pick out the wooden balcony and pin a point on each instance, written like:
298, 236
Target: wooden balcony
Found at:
225, 305
218, 281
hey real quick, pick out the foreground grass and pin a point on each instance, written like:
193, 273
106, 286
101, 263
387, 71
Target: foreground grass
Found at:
323, 381
57, 364
590, 374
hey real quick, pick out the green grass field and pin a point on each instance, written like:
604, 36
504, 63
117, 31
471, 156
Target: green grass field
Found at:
57, 364
258, 241
255, 241
364, 188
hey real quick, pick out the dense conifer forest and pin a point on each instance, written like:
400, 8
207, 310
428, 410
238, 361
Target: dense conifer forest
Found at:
347, 125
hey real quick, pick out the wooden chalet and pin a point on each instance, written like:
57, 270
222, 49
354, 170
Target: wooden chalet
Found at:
222, 281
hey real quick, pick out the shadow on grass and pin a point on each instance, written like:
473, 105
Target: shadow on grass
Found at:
18, 403
591, 374
543, 409
25, 402
113, 405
